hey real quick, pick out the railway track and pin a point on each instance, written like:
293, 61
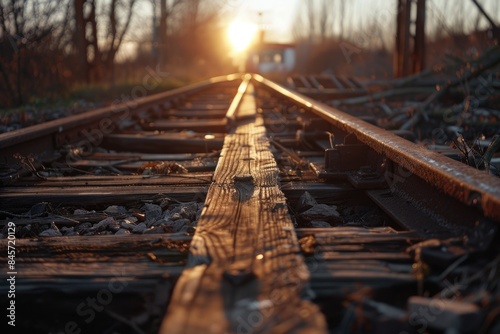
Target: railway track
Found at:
236, 205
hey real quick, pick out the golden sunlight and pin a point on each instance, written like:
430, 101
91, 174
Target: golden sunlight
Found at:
241, 34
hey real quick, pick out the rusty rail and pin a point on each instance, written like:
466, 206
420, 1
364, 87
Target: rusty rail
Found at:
469, 186
60, 125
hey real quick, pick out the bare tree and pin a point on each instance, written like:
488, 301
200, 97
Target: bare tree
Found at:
167, 8
98, 49
119, 18
325, 19
342, 14
32, 38
315, 20
311, 19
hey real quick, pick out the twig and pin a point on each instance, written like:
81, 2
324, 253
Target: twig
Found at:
496, 30
291, 153
66, 218
383, 94
24, 215
490, 59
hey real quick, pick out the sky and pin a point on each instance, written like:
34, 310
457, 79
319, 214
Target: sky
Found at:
278, 16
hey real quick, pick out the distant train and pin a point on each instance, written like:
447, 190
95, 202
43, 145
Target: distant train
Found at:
271, 58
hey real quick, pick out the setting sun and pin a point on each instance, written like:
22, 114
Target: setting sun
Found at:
241, 35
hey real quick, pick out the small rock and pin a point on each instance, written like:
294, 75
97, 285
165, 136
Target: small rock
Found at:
83, 228
131, 220
81, 212
185, 210
175, 216
115, 210
166, 214
122, 231
68, 231
320, 223
52, 231
114, 227
322, 212
178, 224
188, 210
139, 216
42, 227
306, 201
103, 224
126, 225
165, 202
38, 210
140, 228
158, 222
152, 211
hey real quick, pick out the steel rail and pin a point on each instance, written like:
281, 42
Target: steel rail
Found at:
23, 135
231, 112
469, 186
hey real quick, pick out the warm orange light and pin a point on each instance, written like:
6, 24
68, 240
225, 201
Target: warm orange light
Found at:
241, 34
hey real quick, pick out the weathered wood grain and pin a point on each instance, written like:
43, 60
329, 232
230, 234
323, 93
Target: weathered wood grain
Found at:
152, 142
200, 125
126, 180
20, 200
245, 274
45, 262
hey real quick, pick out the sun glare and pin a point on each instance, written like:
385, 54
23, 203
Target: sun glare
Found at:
241, 35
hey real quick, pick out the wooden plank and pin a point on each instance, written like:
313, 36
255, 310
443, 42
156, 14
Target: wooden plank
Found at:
204, 105
152, 142
244, 273
337, 83
347, 258
304, 82
20, 200
137, 166
203, 113
129, 180
87, 257
146, 157
134, 273
315, 82
200, 125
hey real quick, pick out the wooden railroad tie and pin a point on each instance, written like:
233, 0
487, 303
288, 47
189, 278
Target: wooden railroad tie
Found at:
245, 273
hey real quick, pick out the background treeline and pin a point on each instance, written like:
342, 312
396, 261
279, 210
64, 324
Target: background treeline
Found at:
41, 50
357, 37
